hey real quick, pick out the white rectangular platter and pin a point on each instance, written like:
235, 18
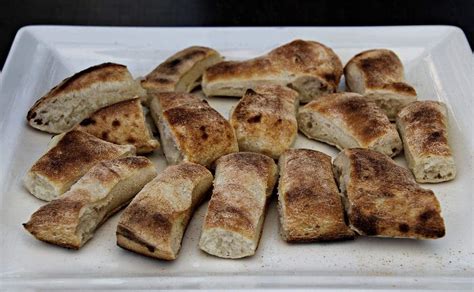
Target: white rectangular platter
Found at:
438, 63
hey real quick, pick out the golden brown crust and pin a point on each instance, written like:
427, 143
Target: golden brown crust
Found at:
382, 69
166, 203
309, 202
299, 57
121, 123
73, 155
426, 125
264, 120
165, 77
169, 100
59, 222
201, 133
242, 184
384, 199
106, 72
362, 118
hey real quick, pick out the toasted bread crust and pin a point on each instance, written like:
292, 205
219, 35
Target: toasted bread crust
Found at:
298, 58
264, 120
59, 221
243, 182
166, 76
426, 128
382, 69
362, 119
73, 153
201, 133
95, 74
384, 200
166, 203
121, 123
379, 66
309, 203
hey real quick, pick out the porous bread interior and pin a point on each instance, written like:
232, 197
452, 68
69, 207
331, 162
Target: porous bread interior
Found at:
40, 187
390, 102
318, 128
93, 215
428, 169
170, 148
226, 243
309, 88
341, 166
355, 82
315, 126
189, 80
46, 190
74, 106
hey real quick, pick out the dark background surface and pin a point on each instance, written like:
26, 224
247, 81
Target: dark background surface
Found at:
19, 13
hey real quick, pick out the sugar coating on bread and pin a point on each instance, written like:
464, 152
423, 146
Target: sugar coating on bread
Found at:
264, 120
80, 95
423, 126
309, 202
309, 67
382, 199
70, 156
379, 75
236, 212
70, 221
155, 221
349, 120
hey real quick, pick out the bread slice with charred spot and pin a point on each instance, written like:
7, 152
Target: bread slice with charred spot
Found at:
382, 198
423, 126
234, 219
264, 120
379, 76
121, 123
69, 157
155, 221
308, 67
70, 221
309, 202
349, 120
182, 71
190, 129
80, 95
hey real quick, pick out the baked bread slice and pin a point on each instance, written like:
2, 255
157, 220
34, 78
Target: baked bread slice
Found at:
308, 67
70, 221
382, 198
378, 75
182, 71
264, 120
155, 221
423, 126
233, 223
121, 123
69, 157
348, 120
309, 202
191, 130
80, 95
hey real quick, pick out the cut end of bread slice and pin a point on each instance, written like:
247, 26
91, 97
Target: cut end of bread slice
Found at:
226, 244
390, 102
434, 170
80, 95
41, 187
130, 242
